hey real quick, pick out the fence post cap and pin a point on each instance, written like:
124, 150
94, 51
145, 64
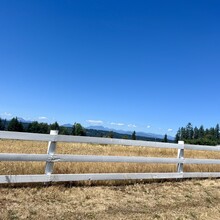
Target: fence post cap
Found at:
54, 132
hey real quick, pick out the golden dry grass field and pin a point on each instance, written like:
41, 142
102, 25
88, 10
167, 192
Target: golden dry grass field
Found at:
190, 199
11, 146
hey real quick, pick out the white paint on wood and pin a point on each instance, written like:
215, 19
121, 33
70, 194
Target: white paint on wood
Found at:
102, 176
202, 148
97, 140
50, 151
25, 136
113, 141
95, 158
180, 155
80, 139
51, 157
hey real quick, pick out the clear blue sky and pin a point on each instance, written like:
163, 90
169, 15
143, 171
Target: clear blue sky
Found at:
133, 65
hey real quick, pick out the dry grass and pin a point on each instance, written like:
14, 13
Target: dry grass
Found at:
10, 146
195, 199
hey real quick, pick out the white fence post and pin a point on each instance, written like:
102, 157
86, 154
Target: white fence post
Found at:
50, 151
50, 159
180, 156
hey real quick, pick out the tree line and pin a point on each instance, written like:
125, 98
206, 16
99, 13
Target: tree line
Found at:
199, 135
77, 129
188, 133
35, 127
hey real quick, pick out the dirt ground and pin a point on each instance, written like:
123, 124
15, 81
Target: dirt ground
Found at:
190, 199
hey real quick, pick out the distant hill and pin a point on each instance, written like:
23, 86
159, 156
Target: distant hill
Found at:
151, 136
101, 128
67, 125
101, 131
23, 120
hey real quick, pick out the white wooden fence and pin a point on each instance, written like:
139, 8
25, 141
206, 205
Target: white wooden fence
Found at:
50, 158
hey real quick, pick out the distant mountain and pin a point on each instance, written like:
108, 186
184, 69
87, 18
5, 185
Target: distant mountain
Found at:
23, 120
101, 128
101, 131
68, 125
143, 134
140, 134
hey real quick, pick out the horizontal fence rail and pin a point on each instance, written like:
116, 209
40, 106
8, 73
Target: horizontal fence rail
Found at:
94, 158
51, 157
79, 139
97, 140
102, 176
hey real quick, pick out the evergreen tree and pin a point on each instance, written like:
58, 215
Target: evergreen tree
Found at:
78, 130
5, 124
64, 131
165, 139
196, 133
35, 127
2, 126
201, 132
199, 136
177, 137
133, 136
212, 133
74, 129
55, 126
110, 134
206, 132
217, 130
15, 125
44, 128
189, 131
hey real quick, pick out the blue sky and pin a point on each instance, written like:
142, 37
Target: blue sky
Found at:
148, 66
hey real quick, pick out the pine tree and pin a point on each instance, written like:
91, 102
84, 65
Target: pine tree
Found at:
15, 125
200, 135
189, 131
78, 130
183, 135
73, 129
63, 130
34, 127
212, 133
178, 135
2, 126
133, 136
165, 139
44, 128
217, 130
196, 133
111, 134
201, 132
55, 126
